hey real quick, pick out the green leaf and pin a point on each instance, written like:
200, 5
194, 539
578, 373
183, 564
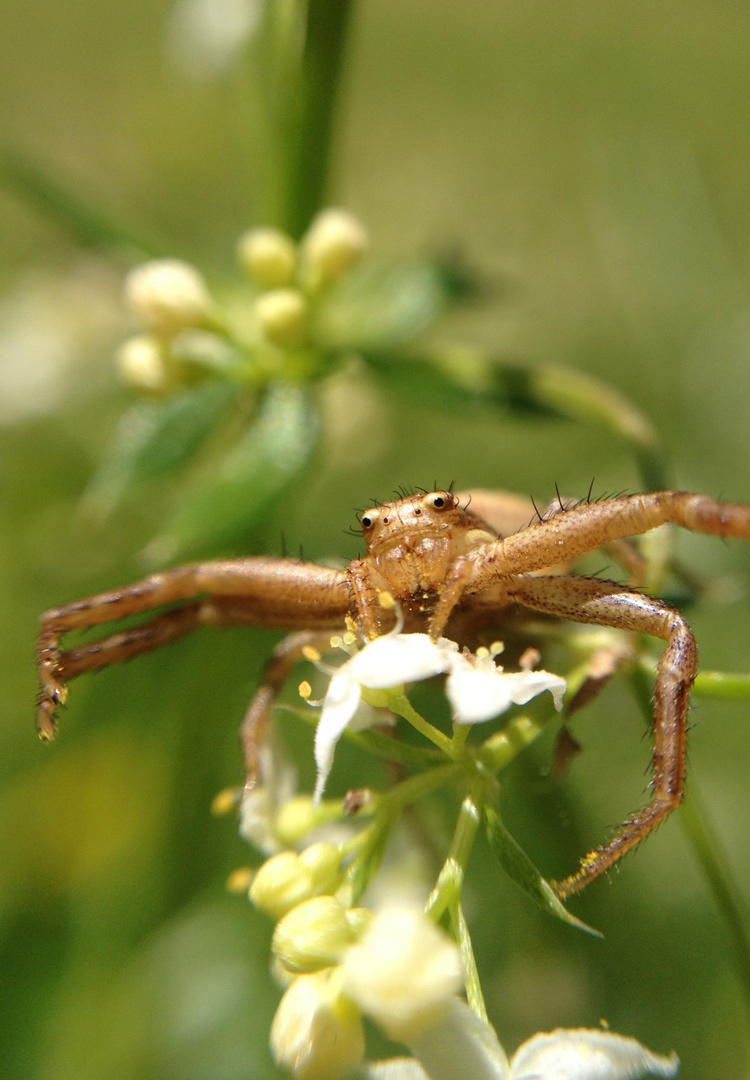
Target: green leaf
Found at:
89, 224
153, 440
380, 306
521, 869
472, 380
255, 473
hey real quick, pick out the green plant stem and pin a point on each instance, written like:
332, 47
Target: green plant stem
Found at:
301, 59
309, 150
714, 865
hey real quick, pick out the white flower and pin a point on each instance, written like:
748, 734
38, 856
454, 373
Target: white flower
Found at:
404, 973
477, 688
581, 1054
462, 1045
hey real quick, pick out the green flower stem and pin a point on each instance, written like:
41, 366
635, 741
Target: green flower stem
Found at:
724, 685
300, 57
500, 749
401, 706
474, 994
447, 891
319, 78
714, 866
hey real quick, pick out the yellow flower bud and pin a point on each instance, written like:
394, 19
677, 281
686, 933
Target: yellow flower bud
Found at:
268, 256
295, 819
334, 243
167, 296
323, 861
282, 315
281, 883
313, 935
317, 1032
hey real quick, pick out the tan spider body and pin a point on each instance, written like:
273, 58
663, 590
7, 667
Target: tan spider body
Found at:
451, 572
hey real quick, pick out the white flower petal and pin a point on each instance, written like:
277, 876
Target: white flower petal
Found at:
396, 1069
399, 658
339, 707
588, 1055
479, 691
404, 973
461, 1045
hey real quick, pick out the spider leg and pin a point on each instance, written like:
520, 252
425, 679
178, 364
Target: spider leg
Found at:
605, 603
574, 531
284, 658
279, 593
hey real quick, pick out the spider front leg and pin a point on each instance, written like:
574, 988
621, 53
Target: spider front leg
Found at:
605, 603
279, 593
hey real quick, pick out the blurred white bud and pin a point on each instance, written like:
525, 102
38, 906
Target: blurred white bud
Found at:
317, 1031
282, 315
314, 935
334, 243
403, 973
167, 296
140, 363
268, 256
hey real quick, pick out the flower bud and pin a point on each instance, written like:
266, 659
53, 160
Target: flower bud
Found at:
313, 935
317, 1031
334, 243
403, 973
323, 862
268, 256
281, 883
282, 315
167, 295
140, 363
296, 819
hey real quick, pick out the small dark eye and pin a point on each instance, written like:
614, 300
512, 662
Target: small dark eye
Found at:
417, 511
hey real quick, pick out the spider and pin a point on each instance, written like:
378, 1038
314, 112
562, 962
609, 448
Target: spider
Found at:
451, 573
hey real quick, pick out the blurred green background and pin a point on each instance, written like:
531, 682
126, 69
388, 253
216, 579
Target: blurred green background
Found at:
590, 163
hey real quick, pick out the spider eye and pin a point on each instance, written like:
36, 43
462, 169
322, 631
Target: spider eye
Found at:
367, 521
439, 501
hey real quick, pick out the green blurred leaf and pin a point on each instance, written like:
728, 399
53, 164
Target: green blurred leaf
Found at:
471, 379
89, 224
521, 869
153, 440
380, 306
256, 472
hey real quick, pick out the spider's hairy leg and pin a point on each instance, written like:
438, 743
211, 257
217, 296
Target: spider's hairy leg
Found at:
284, 658
605, 603
280, 593
573, 532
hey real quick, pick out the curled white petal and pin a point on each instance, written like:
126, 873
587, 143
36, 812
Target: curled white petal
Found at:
339, 707
581, 1054
478, 690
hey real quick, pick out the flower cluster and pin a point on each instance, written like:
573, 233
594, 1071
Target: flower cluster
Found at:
186, 331
341, 964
